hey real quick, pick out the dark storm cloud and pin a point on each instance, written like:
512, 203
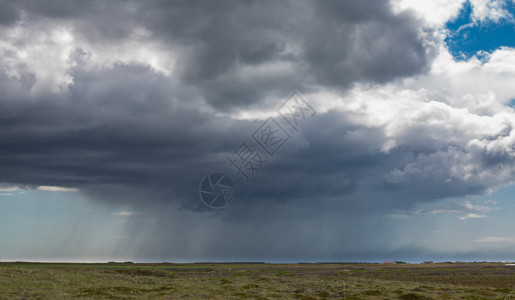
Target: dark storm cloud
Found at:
127, 125
363, 41
121, 125
8, 13
125, 132
324, 43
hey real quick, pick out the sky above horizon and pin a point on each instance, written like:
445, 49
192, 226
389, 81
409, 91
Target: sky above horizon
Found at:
113, 112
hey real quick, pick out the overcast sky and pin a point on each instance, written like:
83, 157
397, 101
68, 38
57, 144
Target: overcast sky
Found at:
113, 112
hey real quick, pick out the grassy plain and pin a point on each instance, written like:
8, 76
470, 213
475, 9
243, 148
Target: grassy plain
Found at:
256, 281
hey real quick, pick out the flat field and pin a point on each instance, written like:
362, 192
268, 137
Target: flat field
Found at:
256, 281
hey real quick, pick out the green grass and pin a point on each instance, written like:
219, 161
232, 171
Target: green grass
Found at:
255, 281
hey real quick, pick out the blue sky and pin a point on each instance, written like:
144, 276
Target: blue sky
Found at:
112, 114
466, 37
